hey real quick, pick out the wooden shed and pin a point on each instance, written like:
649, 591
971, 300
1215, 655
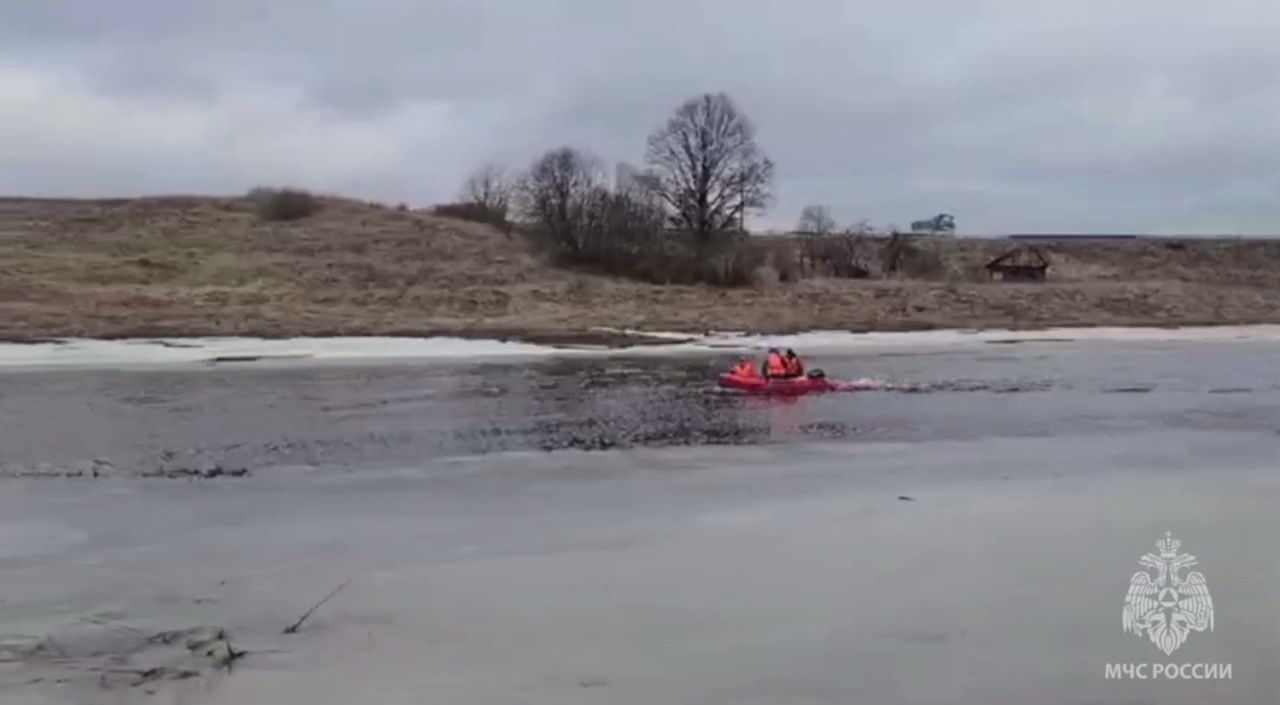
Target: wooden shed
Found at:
1025, 263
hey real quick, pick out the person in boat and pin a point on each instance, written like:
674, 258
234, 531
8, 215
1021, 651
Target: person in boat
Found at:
795, 368
746, 367
775, 365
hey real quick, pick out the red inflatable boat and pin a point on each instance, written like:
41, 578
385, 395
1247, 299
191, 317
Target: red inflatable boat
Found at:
793, 385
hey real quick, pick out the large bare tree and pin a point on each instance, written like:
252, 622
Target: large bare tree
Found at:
708, 170
558, 193
816, 220
490, 189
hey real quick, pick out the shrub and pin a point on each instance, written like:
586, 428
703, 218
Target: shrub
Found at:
785, 258
912, 258
473, 212
844, 255
579, 222
735, 260
284, 204
666, 257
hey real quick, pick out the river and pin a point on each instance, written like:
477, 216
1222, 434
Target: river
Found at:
616, 529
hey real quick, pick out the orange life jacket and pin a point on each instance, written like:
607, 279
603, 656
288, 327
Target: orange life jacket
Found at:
775, 365
744, 369
794, 367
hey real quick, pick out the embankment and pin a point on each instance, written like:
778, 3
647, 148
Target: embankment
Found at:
194, 266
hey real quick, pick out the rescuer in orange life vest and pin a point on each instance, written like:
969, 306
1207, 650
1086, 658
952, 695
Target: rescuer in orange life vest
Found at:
746, 367
776, 365
795, 368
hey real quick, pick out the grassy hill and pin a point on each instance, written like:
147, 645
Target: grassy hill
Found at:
179, 266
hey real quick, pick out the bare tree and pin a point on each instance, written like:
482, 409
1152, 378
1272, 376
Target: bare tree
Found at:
619, 228
489, 189
816, 220
557, 195
708, 169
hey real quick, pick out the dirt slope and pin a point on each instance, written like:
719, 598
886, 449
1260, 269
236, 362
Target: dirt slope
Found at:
207, 266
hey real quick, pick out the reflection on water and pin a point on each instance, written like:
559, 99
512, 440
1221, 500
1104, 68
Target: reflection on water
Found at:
174, 422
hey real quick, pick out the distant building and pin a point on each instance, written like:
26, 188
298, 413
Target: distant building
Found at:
1024, 263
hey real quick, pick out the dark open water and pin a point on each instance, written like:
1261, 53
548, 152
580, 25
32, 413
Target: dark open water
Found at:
359, 417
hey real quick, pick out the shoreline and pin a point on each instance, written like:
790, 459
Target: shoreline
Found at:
246, 352
609, 337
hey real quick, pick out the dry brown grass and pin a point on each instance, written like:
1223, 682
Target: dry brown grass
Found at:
210, 266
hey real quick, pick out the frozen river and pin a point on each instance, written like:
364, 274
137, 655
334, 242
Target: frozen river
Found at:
615, 530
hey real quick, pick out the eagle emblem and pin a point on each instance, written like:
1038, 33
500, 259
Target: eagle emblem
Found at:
1167, 600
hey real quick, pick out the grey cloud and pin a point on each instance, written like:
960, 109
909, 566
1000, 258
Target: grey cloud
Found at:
1013, 115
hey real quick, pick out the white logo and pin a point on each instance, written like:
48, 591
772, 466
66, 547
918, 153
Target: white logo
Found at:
1167, 605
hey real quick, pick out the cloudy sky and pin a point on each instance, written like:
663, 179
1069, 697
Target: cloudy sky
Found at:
1061, 115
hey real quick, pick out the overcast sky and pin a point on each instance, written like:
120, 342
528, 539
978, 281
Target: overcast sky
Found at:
1066, 115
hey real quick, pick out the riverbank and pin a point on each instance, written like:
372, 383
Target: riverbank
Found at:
250, 352
188, 266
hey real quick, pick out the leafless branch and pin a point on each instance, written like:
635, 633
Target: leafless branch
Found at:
490, 189
293, 628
